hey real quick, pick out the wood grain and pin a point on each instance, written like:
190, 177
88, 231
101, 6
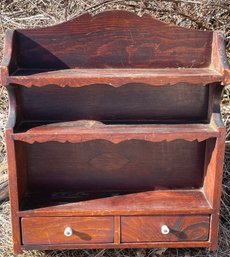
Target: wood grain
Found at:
219, 56
116, 133
148, 229
8, 64
135, 104
117, 229
213, 182
130, 104
14, 191
114, 77
102, 166
50, 230
161, 202
188, 244
117, 39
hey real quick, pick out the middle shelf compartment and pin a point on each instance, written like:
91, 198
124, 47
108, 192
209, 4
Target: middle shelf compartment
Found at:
99, 177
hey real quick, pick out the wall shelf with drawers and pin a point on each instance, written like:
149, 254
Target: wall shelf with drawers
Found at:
114, 137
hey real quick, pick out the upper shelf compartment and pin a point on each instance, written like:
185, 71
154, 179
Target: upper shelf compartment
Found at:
116, 48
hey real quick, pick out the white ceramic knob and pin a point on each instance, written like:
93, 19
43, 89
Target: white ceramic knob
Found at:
68, 231
165, 230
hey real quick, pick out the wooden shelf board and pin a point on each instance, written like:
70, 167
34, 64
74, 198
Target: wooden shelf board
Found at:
87, 204
183, 244
81, 131
113, 77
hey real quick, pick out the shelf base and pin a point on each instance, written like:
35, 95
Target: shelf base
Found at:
91, 204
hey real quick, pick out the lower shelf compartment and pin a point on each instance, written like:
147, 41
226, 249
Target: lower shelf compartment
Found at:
115, 203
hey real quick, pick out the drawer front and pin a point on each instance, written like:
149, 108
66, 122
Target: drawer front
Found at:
164, 228
64, 230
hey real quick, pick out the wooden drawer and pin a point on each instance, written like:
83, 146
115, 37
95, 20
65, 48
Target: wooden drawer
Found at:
50, 230
149, 228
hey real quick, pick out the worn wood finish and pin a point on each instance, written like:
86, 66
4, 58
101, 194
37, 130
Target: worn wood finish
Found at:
133, 103
115, 203
117, 39
114, 77
14, 194
8, 63
191, 244
117, 229
148, 228
213, 182
114, 129
214, 166
87, 230
219, 57
91, 130
101, 166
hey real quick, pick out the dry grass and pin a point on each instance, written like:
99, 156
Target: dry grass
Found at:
199, 14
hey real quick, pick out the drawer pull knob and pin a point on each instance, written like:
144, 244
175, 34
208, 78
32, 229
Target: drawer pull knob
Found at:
165, 230
68, 231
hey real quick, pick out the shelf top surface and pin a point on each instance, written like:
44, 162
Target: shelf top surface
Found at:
85, 130
114, 77
149, 202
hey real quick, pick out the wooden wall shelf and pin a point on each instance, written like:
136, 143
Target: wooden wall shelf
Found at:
114, 136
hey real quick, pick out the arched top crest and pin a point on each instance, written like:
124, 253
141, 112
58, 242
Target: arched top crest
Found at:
113, 39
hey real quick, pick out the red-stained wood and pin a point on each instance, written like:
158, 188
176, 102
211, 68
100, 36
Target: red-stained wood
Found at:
87, 230
130, 104
117, 229
219, 57
114, 77
14, 194
150, 202
214, 167
12, 109
114, 128
192, 244
76, 132
8, 61
99, 165
148, 228
213, 182
117, 39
